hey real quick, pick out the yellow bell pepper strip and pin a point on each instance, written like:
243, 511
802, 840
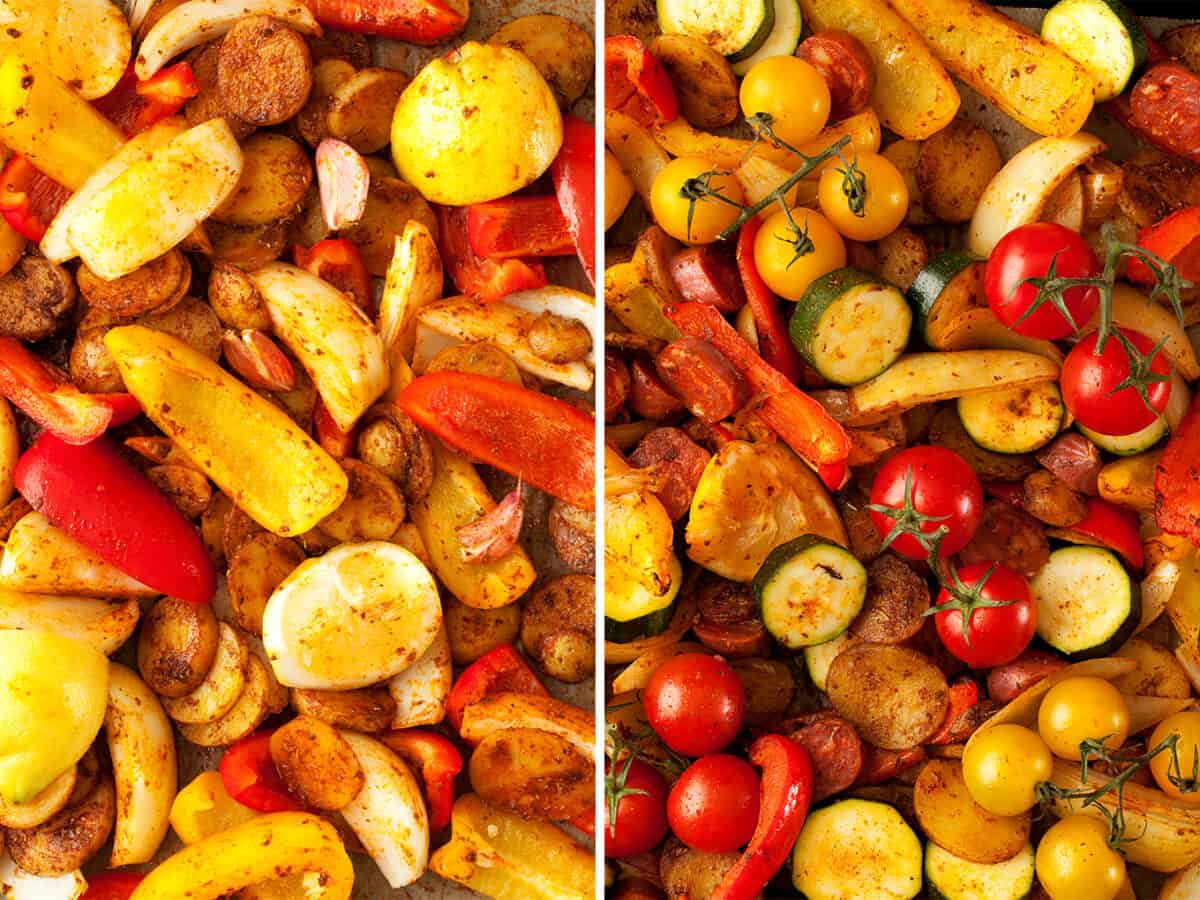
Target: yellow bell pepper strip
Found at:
272, 846
509, 858
42, 118
257, 455
204, 808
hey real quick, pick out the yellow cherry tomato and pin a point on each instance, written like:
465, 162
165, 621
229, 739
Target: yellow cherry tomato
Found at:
883, 204
711, 216
790, 258
1187, 726
1002, 767
792, 93
1074, 861
618, 190
1079, 709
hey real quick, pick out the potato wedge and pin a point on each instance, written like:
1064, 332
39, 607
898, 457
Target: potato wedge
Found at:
41, 559
243, 717
894, 696
456, 497
316, 763
705, 83
1032, 81
532, 773
245, 444
275, 176
157, 202
221, 687
142, 747
337, 345
1158, 673
955, 822
420, 691
913, 94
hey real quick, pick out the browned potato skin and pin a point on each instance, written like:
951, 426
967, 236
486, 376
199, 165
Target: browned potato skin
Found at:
865, 540
636, 17
210, 102
264, 70
256, 568
689, 874
392, 443
368, 710
186, 488
704, 81
37, 299
90, 365
156, 286
11, 513
954, 168
558, 628
236, 300
316, 763
1009, 535
236, 529
373, 508
904, 155
390, 204
946, 431
276, 175
897, 598
901, 255
312, 122
479, 358
353, 48
359, 109
532, 773
473, 632
247, 247
769, 686
71, 837
559, 340
190, 320
572, 532
561, 50
1050, 499
176, 646
895, 696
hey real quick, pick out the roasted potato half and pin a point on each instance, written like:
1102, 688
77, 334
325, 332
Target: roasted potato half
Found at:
532, 773
390, 204
705, 83
473, 632
276, 173
561, 50
366, 709
316, 763
259, 565
69, 838
558, 627
177, 646
373, 508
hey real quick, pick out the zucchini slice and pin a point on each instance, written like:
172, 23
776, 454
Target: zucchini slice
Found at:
1102, 36
819, 657
953, 878
857, 848
782, 41
734, 28
1087, 605
642, 627
1013, 420
851, 325
810, 590
950, 285
1128, 444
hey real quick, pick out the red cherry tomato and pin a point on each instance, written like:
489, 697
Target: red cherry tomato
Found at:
1027, 252
641, 797
1090, 379
696, 703
996, 634
713, 807
945, 492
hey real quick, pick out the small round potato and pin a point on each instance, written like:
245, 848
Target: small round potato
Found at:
69, 838
562, 51
473, 632
316, 763
360, 108
367, 709
373, 508
177, 646
558, 629
276, 174
158, 285
256, 568
533, 773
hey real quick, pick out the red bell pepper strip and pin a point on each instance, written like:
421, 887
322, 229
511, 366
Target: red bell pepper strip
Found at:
134, 105
538, 438
112, 885
1177, 480
44, 393
415, 21
636, 83
518, 226
796, 417
498, 670
338, 261
964, 694
1113, 527
249, 775
437, 762
102, 501
773, 341
484, 279
1175, 239
574, 174
29, 199
787, 789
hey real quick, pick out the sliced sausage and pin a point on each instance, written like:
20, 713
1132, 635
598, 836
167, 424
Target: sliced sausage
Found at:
154, 287
264, 70
1075, 461
1046, 497
1006, 682
616, 384
1010, 536
1165, 107
880, 765
210, 102
897, 598
680, 462
648, 396
696, 372
572, 533
708, 274
835, 747
37, 299
727, 619
845, 65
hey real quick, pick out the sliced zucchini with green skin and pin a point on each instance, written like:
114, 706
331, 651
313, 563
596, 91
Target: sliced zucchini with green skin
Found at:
952, 878
782, 41
643, 626
734, 28
809, 589
1102, 36
950, 285
850, 325
819, 657
857, 848
1128, 444
1087, 605
1013, 420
